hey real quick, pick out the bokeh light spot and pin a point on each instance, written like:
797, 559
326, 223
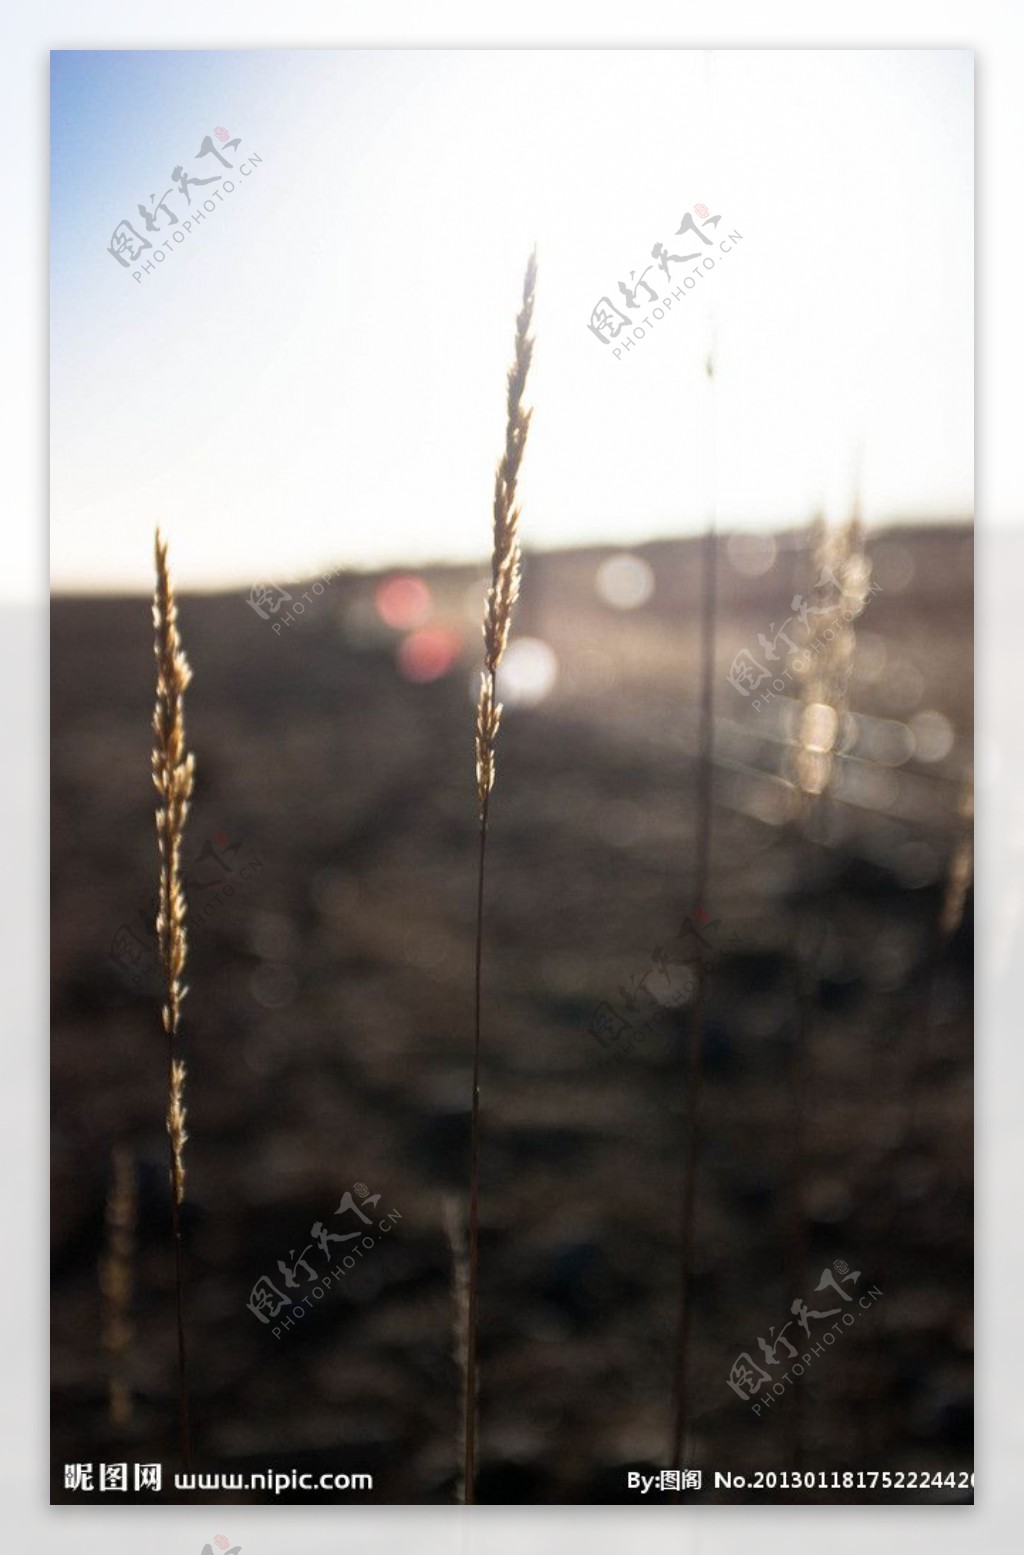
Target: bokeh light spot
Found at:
273, 986
751, 555
527, 673
403, 602
625, 582
889, 742
933, 735
892, 566
429, 653
902, 686
819, 726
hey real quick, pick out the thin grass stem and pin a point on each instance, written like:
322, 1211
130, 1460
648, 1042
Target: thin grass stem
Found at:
173, 775
501, 597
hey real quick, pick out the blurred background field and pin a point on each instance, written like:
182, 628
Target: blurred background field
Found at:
329, 1021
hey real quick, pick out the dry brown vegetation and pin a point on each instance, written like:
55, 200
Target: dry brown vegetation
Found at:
336, 973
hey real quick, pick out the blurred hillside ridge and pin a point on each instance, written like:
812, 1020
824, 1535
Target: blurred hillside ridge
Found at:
329, 1021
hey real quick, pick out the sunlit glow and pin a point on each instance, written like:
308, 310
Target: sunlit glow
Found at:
771, 803
359, 424
849, 732
752, 555
625, 582
429, 653
403, 602
819, 725
527, 673
902, 686
892, 566
933, 735
888, 742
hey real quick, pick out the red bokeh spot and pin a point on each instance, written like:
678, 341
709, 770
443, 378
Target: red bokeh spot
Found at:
702, 915
403, 602
429, 653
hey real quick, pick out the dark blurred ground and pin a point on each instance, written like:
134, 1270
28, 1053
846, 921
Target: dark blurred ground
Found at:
328, 1033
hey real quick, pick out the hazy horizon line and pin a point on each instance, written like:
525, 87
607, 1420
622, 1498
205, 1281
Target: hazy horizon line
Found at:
873, 530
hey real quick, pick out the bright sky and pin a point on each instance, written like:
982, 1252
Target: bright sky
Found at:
316, 373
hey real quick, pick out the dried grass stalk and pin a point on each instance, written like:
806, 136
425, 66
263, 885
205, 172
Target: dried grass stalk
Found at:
501, 597
506, 558
681, 1400
838, 561
453, 1230
961, 865
838, 558
117, 1285
176, 1130
173, 772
